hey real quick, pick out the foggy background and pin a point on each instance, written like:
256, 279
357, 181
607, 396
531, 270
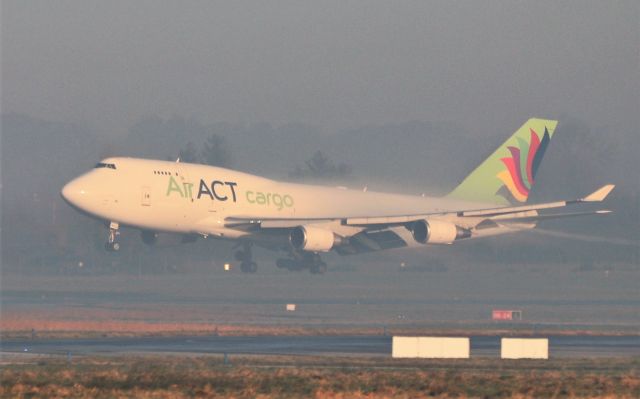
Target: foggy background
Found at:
405, 97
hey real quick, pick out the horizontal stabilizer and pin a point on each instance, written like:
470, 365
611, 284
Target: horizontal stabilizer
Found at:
600, 194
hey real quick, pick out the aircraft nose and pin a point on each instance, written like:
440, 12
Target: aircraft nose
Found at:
73, 192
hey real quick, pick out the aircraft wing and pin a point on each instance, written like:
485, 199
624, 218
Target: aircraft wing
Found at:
525, 211
468, 218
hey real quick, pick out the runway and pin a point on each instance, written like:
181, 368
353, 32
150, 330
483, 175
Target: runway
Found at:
481, 346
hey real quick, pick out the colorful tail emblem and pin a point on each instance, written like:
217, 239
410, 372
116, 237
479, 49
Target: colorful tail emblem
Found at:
522, 166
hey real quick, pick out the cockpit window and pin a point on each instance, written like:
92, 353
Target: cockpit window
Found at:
105, 165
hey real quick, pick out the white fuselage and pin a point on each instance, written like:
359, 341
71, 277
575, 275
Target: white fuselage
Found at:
189, 198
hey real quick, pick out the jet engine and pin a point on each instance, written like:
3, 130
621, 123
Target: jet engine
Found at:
438, 232
314, 239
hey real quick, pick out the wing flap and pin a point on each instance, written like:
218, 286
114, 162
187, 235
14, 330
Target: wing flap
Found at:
385, 220
271, 223
537, 218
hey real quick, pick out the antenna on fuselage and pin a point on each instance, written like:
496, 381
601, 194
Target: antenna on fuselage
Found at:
178, 160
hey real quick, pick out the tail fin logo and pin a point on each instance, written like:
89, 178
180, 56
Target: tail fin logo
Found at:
521, 167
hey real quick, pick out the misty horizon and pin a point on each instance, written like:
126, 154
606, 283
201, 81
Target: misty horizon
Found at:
409, 97
483, 67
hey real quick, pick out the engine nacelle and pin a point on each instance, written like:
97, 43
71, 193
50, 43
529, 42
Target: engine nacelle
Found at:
314, 239
438, 232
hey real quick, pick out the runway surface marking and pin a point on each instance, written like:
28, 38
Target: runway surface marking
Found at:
481, 346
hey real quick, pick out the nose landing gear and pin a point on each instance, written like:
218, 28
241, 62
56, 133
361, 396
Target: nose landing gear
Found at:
112, 244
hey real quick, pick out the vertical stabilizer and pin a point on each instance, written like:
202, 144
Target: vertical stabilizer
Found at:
508, 175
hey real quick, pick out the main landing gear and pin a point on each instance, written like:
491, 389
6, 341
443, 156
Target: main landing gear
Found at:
247, 265
112, 244
303, 260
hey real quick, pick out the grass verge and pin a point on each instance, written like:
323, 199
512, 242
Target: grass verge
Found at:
315, 377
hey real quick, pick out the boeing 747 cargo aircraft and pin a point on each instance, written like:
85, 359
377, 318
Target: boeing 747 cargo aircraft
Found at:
305, 220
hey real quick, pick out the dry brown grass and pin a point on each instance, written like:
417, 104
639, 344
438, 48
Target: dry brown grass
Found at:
317, 377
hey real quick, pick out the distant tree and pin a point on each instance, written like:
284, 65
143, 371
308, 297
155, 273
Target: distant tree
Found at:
319, 166
188, 153
215, 151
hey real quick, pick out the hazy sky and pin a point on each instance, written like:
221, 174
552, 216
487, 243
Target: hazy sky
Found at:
486, 65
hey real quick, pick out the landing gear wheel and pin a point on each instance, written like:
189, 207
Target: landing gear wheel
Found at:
318, 267
315, 264
245, 256
304, 260
112, 244
249, 267
112, 247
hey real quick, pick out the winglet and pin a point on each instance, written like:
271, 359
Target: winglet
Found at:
600, 194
